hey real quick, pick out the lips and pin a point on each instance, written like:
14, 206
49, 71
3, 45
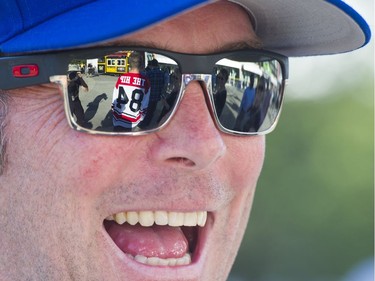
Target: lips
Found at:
157, 238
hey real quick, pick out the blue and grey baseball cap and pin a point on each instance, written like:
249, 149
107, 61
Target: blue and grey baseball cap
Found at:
289, 27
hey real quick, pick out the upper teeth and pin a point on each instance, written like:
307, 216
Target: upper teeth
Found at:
148, 218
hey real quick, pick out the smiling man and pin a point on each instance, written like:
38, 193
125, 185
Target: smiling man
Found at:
166, 200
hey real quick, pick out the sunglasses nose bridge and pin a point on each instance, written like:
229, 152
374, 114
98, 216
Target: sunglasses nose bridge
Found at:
206, 78
205, 82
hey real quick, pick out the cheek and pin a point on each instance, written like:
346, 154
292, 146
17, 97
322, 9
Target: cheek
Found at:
89, 165
245, 160
95, 163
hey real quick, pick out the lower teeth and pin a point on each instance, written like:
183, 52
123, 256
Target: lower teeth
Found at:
185, 260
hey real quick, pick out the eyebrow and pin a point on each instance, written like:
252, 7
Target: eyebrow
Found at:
250, 44
253, 43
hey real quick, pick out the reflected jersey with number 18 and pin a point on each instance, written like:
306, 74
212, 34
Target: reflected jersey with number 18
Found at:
131, 95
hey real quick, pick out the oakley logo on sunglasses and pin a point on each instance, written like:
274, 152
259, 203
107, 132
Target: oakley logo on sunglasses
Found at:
25, 71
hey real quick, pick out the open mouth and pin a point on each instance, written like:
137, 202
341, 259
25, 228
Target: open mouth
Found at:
157, 238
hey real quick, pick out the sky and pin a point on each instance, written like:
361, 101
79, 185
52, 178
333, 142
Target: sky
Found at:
315, 77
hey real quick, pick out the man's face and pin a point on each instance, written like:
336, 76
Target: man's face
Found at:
60, 185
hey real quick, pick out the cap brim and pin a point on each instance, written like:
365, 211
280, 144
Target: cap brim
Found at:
314, 27
289, 27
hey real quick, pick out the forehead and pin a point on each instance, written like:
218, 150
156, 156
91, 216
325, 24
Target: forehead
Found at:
216, 27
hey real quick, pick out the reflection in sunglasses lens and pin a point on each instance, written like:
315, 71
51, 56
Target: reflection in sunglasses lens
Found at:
247, 95
126, 91
133, 91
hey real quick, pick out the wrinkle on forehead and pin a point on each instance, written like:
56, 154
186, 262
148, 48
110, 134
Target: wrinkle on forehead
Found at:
220, 26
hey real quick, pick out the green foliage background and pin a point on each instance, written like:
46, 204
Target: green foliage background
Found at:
313, 216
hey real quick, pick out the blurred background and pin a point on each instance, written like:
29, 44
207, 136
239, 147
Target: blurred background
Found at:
313, 214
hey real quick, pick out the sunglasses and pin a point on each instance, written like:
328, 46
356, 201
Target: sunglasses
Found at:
135, 91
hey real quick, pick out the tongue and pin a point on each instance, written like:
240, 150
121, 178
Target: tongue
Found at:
156, 241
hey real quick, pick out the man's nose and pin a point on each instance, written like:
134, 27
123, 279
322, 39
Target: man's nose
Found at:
191, 139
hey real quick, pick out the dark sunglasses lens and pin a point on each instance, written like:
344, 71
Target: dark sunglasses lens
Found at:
124, 91
248, 95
